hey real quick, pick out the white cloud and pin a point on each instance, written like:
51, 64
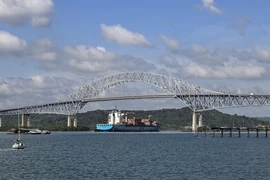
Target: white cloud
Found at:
169, 61
41, 51
34, 90
73, 59
171, 44
89, 53
86, 66
238, 72
123, 36
132, 63
38, 81
210, 5
41, 21
202, 55
46, 56
257, 53
44, 50
195, 52
43, 43
198, 49
101, 48
19, 12
10, 44
261, 53
4, 89
87, 59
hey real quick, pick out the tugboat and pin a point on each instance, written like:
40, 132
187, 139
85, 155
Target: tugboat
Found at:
119, 122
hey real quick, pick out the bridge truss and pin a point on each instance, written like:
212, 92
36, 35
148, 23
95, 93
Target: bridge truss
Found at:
195, 97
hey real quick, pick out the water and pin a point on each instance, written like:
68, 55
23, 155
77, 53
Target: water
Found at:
143, 156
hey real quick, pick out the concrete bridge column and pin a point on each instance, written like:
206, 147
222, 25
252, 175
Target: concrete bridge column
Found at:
194, 122
22, 120
200, 120
69, 121
28, 121
75, 122
0, 122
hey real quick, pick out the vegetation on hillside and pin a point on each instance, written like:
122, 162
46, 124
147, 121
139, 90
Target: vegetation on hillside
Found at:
170, 119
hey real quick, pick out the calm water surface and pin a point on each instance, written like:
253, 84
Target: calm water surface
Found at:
163, 155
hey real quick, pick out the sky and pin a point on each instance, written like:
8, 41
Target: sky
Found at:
48, 49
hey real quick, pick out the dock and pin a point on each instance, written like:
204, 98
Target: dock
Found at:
229, 130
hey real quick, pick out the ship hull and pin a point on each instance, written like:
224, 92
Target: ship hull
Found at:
104, 127
124, 128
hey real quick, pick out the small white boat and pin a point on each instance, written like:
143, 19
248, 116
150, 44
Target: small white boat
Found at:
35, 131
18, 144
45, 132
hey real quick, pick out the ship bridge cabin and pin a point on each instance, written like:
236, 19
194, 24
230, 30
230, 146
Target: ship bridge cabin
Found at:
115, 117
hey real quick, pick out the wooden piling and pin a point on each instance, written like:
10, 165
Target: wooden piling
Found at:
221, 132
213, 133
230, 132
247, 132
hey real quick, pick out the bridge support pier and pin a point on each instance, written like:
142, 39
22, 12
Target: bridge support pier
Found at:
200, 120
69, 121
0, 122
28, 121
22, 120
194, 123
75, 122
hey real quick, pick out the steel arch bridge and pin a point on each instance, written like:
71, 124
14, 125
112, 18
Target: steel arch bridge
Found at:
195, 97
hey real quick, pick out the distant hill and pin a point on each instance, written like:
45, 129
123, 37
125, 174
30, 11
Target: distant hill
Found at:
170, 119
264, 119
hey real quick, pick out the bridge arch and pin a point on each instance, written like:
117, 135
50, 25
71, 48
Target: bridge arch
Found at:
173, 86
196, 98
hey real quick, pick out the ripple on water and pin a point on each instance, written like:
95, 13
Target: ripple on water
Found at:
134, 156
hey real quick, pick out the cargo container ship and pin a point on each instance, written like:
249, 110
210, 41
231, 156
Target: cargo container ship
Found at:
119, 122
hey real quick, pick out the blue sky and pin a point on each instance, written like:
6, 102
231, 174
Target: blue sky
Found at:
50, 48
